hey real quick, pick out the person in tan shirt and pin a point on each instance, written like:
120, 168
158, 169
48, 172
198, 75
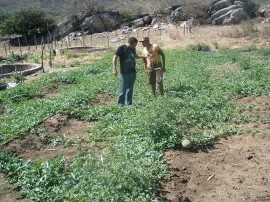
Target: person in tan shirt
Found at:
154, 65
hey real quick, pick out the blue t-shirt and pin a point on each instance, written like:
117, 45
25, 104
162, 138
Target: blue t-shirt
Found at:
127, 59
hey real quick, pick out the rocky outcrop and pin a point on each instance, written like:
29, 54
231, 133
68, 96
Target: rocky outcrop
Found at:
231, 11
264, 14
63, 29
218, 12
264, 11
218, 5
179, 14
95, 23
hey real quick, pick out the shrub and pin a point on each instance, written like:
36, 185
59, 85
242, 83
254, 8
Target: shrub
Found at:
126, 16
199, 47
265, 32
26, 21
3, 85
249, 29
17, 76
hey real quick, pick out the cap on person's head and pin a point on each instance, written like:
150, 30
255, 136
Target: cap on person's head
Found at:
132, 40
144, 39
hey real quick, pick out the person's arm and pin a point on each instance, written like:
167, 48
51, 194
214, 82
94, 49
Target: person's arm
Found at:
145, 64
144, 60
140, 56
163, 59
114, 61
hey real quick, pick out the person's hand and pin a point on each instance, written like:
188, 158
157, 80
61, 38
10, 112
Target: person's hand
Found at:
115, 73
163, 70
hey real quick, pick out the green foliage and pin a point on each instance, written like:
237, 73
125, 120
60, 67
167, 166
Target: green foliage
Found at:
19, 94
18, 77
198, 47
27, 22
62, 8
249, 28
138, 8
11, 58
126, 16
3, 84
198, 105
35, 58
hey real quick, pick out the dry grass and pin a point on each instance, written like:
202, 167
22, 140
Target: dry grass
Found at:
169, 37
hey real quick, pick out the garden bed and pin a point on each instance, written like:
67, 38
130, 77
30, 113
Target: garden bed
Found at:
6, 70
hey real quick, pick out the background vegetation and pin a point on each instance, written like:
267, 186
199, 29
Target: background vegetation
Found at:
61, 8
28, 22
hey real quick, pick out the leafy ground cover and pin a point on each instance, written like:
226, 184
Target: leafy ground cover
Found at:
120, 154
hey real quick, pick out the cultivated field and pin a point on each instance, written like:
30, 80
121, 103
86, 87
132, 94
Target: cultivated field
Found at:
64, 139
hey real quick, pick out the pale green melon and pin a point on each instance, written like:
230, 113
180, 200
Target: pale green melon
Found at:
186, 143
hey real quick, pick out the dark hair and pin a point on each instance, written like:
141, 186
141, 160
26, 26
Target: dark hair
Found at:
132, 40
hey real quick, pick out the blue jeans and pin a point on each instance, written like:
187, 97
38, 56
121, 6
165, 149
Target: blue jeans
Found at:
126, 88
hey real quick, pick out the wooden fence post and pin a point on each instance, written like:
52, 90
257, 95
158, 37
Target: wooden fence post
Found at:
42, 53
35, 41
5, 48
19, 44
42, 42
108, 40
91, 38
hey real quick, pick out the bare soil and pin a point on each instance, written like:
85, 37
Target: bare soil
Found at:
235, 169
8, 193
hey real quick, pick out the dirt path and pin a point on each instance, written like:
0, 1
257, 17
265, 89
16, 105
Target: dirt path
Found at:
7, 191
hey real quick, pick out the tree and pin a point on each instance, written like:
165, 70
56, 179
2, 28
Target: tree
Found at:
26, 21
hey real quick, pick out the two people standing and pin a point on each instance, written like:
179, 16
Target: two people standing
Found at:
152, 56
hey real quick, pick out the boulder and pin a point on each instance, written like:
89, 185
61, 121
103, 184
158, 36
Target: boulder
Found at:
93, 23
237, 16
220, 19
239, 3
232, 11
223, 11
217, 5
137, 23
154, 21
178, 14
111, 20
63, 29
266, 21
267, 13
147, 20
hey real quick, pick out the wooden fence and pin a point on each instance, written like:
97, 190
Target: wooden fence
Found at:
105, 39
